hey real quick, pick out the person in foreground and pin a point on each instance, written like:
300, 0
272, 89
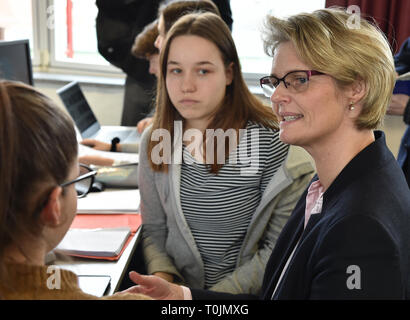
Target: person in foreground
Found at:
39, 177
348, 235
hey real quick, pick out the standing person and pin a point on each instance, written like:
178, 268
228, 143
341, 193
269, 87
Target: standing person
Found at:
118, 23
206, 222
38, 174
348, 236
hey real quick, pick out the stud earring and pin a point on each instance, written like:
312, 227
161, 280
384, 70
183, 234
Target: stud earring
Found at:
351, 107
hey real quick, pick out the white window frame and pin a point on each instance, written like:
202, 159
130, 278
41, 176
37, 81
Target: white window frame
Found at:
44, 45
44, 49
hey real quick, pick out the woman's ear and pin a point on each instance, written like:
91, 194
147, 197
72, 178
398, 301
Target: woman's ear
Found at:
229, 74
357, 91
51, 213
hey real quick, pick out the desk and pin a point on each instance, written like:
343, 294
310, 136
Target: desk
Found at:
115, 269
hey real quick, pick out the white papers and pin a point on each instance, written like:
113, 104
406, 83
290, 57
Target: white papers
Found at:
110, 201
102, 242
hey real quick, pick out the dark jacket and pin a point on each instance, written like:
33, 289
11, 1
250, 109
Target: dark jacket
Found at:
357, 248
118, 23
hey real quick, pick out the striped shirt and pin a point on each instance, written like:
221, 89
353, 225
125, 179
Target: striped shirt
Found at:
218, 208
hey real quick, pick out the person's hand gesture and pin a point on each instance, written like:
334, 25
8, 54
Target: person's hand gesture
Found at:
155, 287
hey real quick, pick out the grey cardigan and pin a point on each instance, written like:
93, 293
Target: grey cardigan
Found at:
168, 243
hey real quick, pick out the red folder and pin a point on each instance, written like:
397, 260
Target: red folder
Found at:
91, 221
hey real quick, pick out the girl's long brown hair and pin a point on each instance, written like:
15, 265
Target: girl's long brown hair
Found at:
239, 105
37, 148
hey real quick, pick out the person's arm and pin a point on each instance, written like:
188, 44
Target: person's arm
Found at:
155, 287
357, 259
96, 160
249, 276
159, 289
400, 106
96, 144
154, 229
104, 146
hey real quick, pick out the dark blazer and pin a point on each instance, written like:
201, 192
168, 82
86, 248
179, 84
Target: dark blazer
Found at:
357, 248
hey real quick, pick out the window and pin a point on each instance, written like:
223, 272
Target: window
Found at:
248, 24
16, 21
74, 34
65, 33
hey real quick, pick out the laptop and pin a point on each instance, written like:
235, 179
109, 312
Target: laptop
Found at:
87, 124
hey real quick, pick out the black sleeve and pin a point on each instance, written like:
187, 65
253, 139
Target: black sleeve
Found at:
224, 7
117, 24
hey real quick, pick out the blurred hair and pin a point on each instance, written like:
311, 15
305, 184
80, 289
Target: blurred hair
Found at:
171, 12
143, 46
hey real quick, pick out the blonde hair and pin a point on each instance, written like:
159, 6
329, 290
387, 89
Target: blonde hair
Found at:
327, 41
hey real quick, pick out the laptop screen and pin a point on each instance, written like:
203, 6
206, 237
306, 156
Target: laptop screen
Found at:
77, 106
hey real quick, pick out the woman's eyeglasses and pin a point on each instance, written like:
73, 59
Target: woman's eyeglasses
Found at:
295, 81
83, 182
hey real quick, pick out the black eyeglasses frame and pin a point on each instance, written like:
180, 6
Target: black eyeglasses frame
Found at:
268, 79
84, 176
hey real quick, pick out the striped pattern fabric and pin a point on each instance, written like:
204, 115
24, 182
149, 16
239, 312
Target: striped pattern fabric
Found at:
218, 208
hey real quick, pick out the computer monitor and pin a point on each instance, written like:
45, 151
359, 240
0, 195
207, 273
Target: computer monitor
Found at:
15, 61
